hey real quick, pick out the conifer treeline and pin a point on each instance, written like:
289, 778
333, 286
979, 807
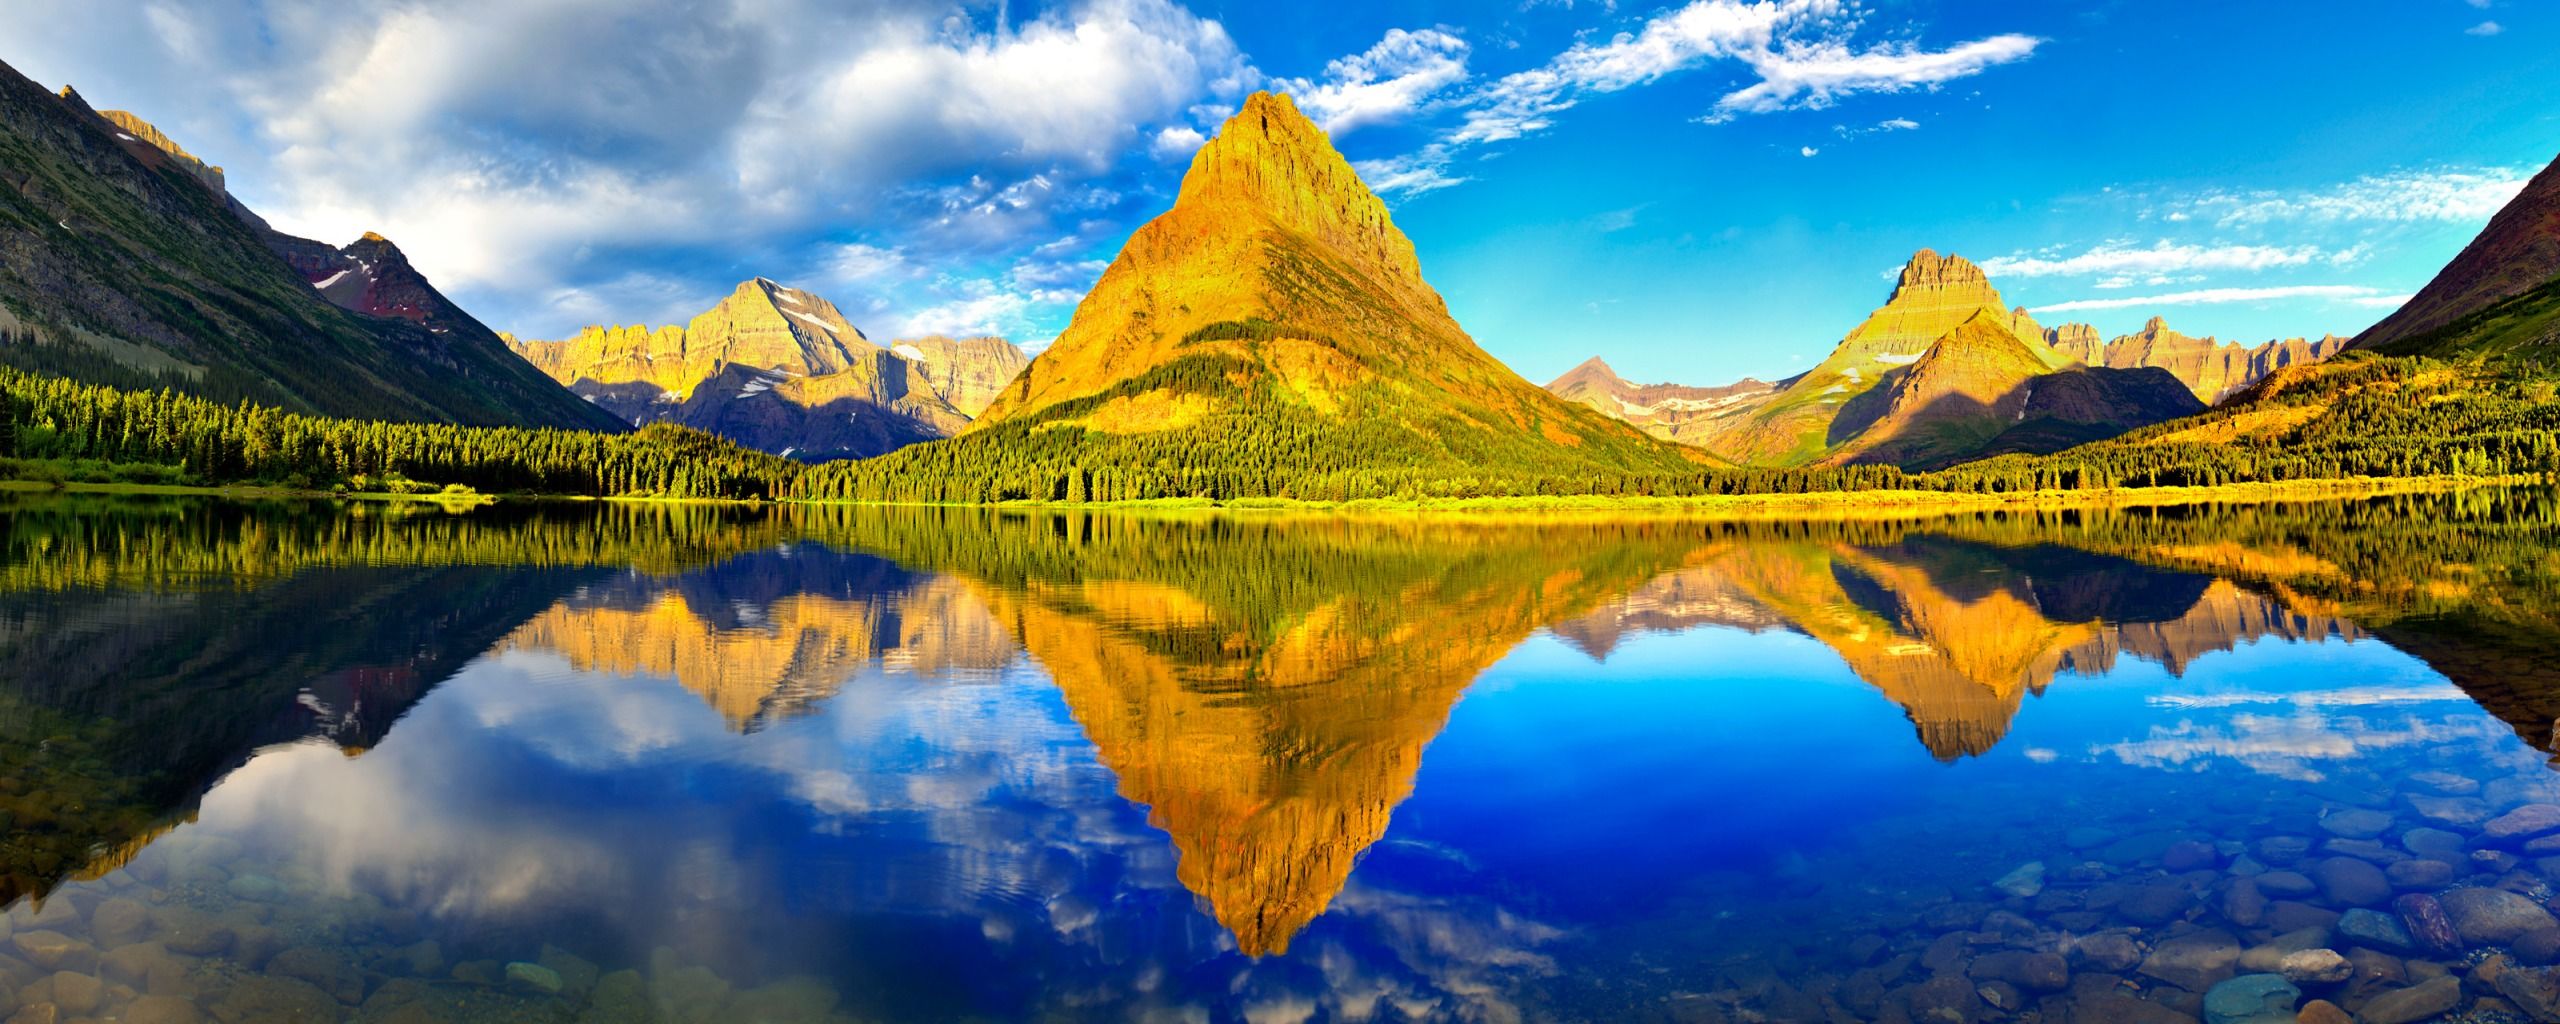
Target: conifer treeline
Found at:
51, 418
2359, 417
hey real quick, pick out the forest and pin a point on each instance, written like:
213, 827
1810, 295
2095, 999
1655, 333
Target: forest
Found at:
2356, 416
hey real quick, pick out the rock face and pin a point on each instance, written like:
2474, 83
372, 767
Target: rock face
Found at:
2518, 252
1944, 371
1277, 297
2212, 369
124, 259
783, 370
1672, 412
967, 372
133, 128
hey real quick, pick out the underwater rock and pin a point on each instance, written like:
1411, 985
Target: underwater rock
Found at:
2420, 875
2409, 1005
2526, 822
2023, 881
2374, 929
2194, 961
2355, 823
535, 976
2348, 882
2427, 923
2493, 917
2315, 967
2251, 999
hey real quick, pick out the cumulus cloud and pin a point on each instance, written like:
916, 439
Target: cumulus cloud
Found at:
2486, 28
2466, 195
1385, 83
522, 151
1177, 142
2351, 294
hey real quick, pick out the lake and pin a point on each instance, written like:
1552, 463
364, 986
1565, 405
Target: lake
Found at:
308, 762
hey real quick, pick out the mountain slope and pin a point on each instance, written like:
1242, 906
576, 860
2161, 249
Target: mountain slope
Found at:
782, 370
2516, 254
1270, 333
122, 264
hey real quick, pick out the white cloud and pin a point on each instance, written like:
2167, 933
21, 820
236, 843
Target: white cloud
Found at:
1414, 173
519, 150
2486, 28
861, 262
1798, 50
985, 307
1809, 151
1386, 83
1817, 75
2351, 294
1177, 142
2161, 258
2455, 194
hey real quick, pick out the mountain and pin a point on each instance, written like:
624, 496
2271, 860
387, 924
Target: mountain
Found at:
1672, 412
783, 370
1939, 374
2213, 369
123, 261
967, 372
2501, 292
1275, 323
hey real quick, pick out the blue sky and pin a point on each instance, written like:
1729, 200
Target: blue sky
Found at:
1695, 190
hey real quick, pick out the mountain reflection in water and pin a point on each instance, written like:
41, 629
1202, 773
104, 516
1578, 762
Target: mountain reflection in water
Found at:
932, 763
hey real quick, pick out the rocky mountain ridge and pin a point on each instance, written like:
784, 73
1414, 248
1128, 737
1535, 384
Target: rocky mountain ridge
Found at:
2211, 368
782, 370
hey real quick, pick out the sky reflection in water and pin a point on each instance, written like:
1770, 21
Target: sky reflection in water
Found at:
1209, 769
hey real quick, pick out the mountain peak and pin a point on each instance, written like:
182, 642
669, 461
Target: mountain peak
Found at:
1595, 364
1270, 162
1929, 270
375, 237
2156, 325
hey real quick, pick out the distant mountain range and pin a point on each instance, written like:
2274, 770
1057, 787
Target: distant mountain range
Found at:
124, 261
782, 370
1942, 374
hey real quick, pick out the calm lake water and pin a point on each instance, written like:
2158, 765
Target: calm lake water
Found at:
320, 763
